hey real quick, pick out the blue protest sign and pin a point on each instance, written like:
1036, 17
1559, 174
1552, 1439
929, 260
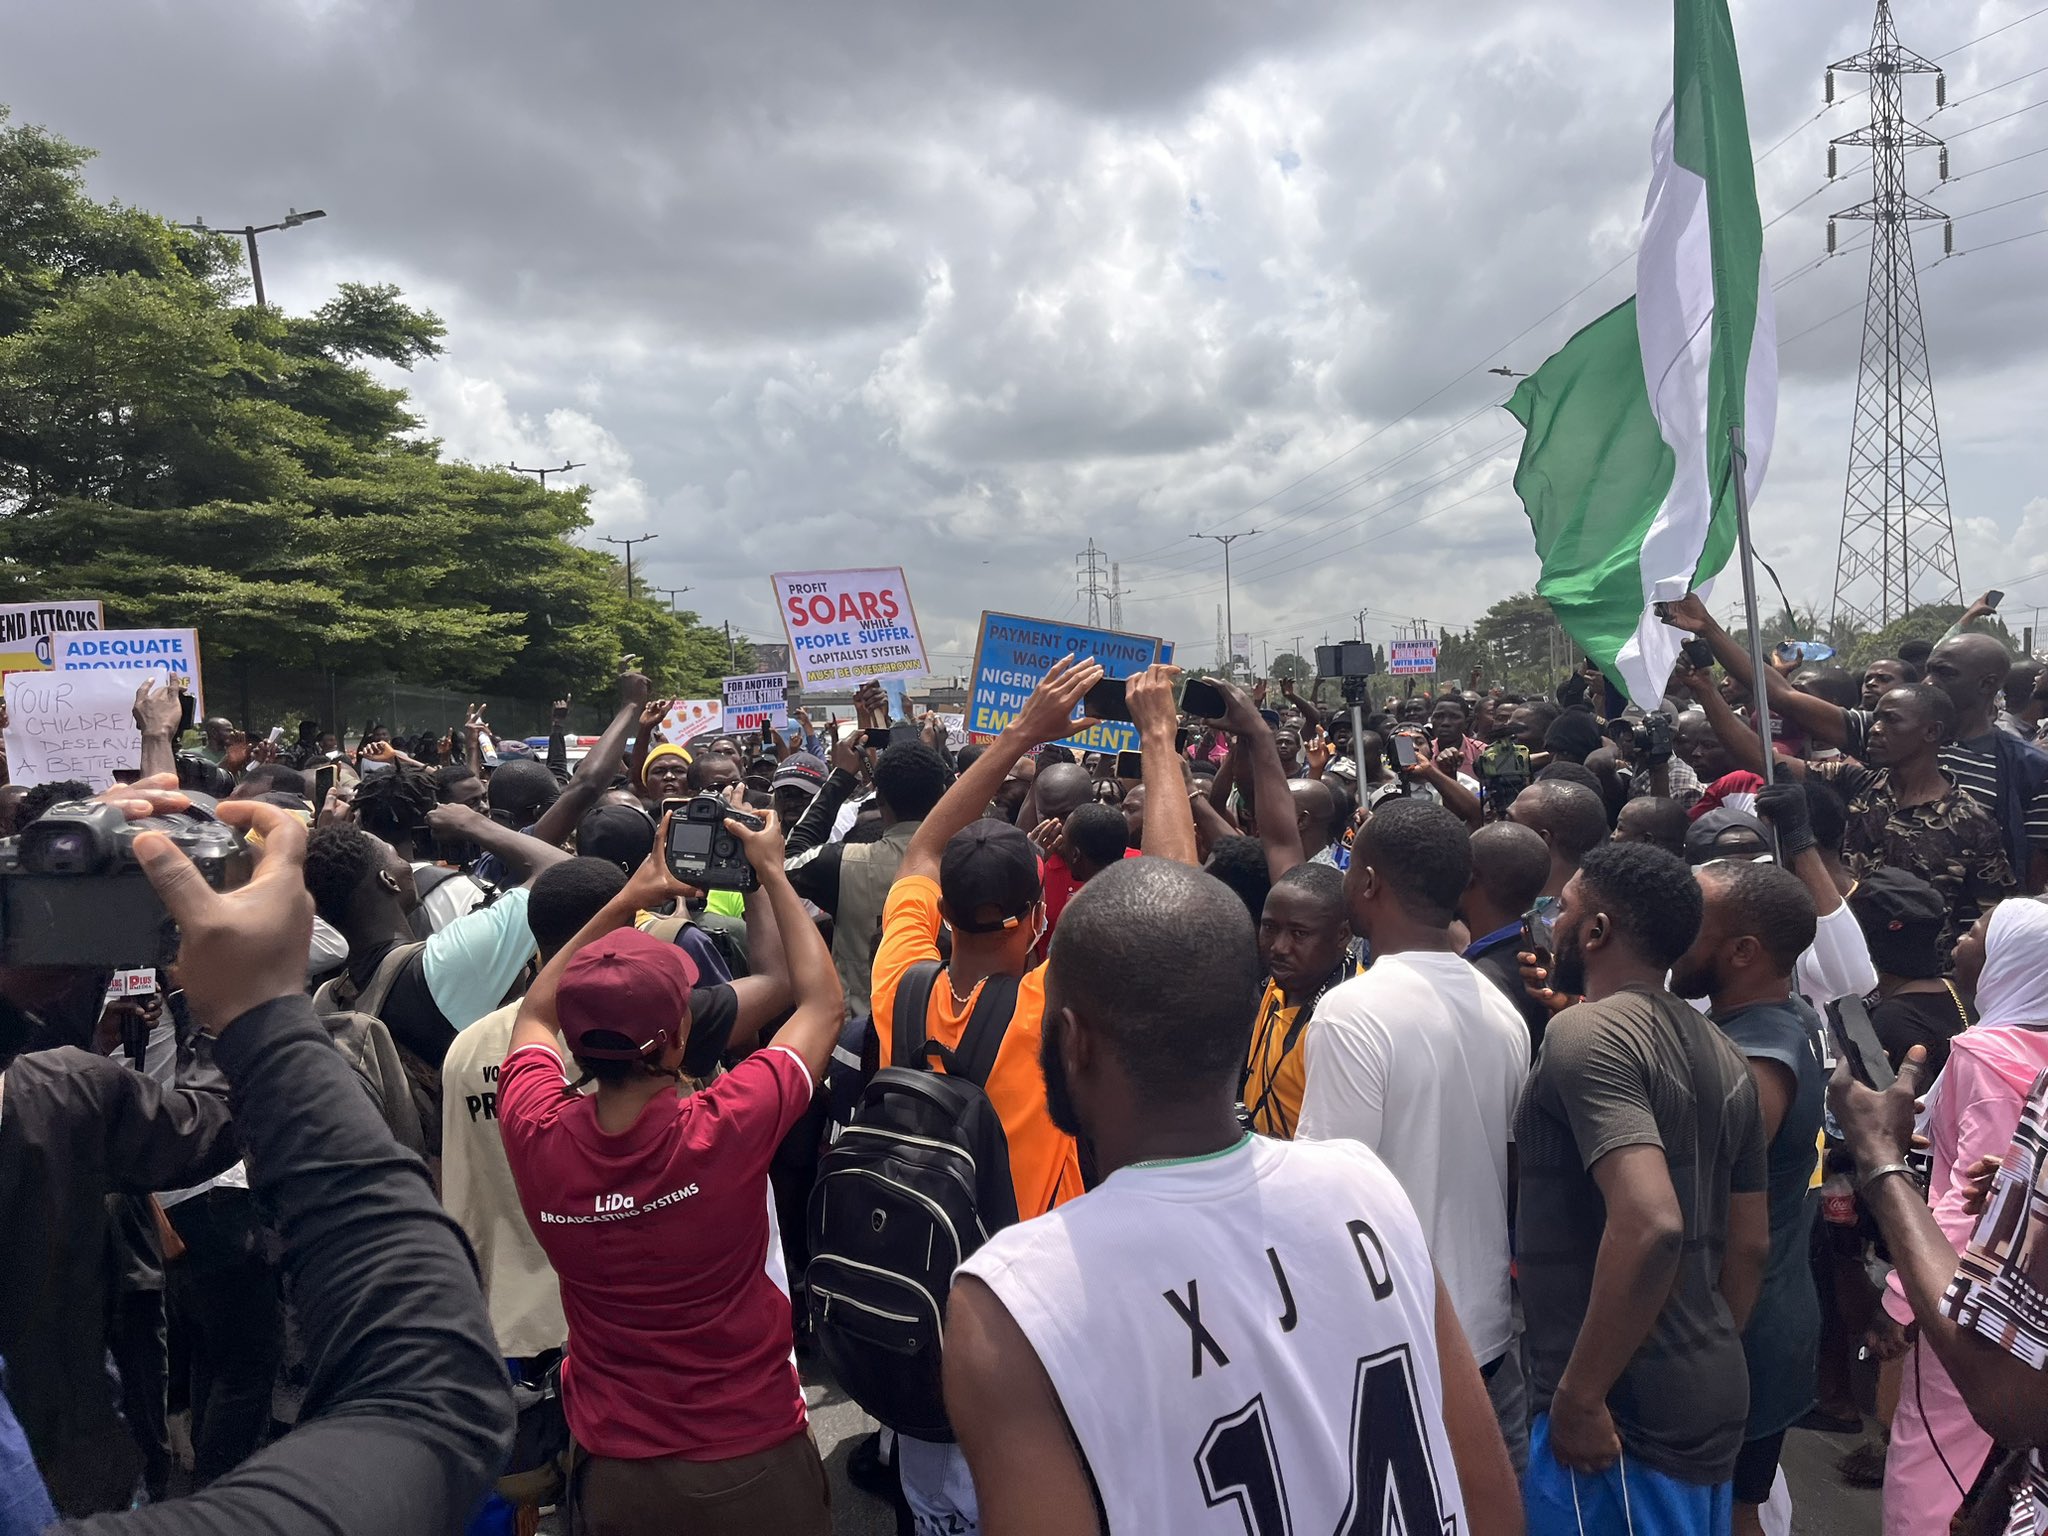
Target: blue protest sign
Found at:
1012, 653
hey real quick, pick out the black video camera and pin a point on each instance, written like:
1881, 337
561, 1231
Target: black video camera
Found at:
72, 894
1504, 772
1648, 739
701, 852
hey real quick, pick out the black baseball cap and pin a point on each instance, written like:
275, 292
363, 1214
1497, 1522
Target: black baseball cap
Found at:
1724, 833
988, 877
1902, 918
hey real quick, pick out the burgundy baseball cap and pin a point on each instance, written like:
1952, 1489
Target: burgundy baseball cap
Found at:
624, 997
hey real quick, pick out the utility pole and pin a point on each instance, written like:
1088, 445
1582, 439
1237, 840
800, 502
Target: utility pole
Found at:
1361, 622
1895, 511
560, 469
629, 543
1090, 567
292, 220
1229, 618
671, 593
732, 657
1116, 596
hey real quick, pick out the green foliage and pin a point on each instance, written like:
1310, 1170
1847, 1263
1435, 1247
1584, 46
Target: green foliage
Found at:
1290, 668
1524, 647
195, 461
1928, 622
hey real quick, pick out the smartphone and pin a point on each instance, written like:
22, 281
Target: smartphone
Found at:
878, 739
1184, 738
1203, 699
1130, 765
324, 779
1407, 752
1540, 924
1856, 1038
1698, 653
1106, 701
1993, 598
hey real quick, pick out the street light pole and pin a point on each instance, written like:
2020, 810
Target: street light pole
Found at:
560, 469
1229, 618
292, 220
629, 543
671, 593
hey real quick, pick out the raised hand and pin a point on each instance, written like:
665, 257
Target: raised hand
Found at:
1048, 714
160, 707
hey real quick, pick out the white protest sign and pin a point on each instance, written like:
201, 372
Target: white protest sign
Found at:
760, 698
1412, 658
171, 652
27, 630
955, 728
72, 725
690, 719
846, 627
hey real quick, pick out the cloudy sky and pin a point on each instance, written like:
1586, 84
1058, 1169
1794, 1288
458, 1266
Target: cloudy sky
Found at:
963, 286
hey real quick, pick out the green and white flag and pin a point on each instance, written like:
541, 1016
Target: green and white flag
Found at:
1627, 471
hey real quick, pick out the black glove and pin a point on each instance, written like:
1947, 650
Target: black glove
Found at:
1784, 807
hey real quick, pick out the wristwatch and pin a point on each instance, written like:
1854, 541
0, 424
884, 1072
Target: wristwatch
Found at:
1881, 1171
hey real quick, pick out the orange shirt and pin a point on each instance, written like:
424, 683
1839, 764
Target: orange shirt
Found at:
1045, 1164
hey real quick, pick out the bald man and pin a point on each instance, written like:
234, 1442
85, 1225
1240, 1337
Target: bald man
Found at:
1510, 867
1569, 818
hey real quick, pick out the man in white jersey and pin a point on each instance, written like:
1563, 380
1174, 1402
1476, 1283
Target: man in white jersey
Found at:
1229, 1333
1423, 1060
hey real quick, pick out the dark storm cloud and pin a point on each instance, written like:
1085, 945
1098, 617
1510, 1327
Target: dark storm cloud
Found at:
964, 286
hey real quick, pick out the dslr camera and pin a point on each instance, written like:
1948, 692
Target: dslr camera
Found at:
72, 894
1648, 739
700, 851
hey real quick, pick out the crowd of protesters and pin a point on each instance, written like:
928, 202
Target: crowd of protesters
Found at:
1382, 1109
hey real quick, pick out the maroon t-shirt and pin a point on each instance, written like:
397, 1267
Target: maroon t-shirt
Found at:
664, 1239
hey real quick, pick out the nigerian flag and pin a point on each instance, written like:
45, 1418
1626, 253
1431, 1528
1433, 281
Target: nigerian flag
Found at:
1627, 472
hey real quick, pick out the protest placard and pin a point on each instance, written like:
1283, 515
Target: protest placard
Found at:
1011, 654
1412, 658
72, 725
27, 630
955, 727
846, 627
171, 652
690, 719
756, 700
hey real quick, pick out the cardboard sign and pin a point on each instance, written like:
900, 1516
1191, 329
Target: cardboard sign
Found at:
690, 719
173, 652
1011, 654
956, 730
758, 699
846, 627
1411, 658
27, 631
72, 725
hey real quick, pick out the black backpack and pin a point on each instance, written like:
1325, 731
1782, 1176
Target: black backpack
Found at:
914, 1185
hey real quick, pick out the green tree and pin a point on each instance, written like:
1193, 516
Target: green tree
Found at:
193, 460
1290, 668
1526, 648
1928, 622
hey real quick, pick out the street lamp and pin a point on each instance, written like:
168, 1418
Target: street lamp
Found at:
559, 469
671, 593
629, 543
292, 220
1229, 619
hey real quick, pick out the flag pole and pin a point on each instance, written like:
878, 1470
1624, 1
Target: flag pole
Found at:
1760, 693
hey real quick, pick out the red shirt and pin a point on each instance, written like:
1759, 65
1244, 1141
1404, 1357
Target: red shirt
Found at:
1059, 887
664, 1239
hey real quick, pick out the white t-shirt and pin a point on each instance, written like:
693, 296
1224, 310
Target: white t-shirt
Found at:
1255, 1328
1423, 1060
520, 1289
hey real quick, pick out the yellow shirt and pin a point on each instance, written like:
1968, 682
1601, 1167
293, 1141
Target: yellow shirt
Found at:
1276, 1071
